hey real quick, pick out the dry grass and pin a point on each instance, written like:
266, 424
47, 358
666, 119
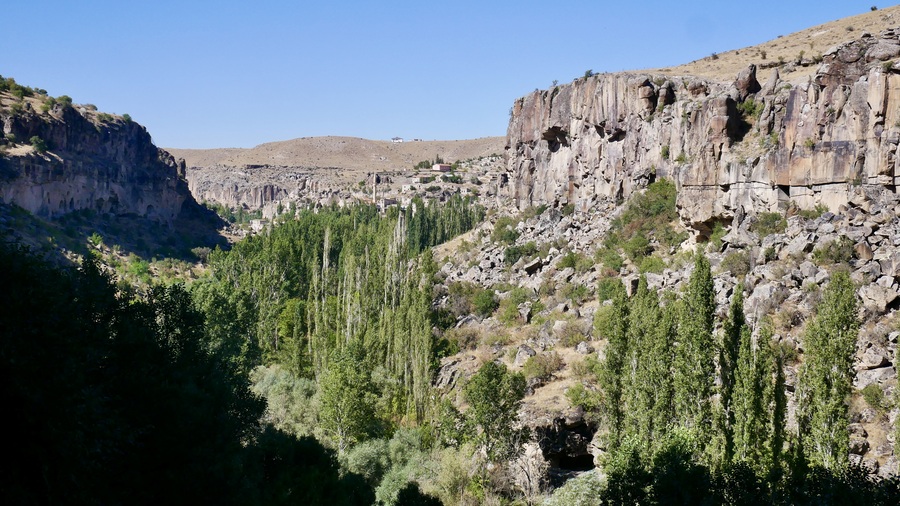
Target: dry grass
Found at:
813, 42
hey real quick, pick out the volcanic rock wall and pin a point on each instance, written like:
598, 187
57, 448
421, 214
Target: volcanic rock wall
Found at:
732, 148
94, 162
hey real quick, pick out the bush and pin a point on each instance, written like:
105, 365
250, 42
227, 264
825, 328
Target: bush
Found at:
577, 293
509, 306
484, 302
542, 365
664, 152
568, 209
834, 252
583, 490
769, 223
610, 259
652, 264
514, 253
505, 231
750, 108
39, 145
874, 396
607, 288
814, 213
736, 262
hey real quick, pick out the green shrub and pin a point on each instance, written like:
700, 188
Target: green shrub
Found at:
509, 307
834, 252
577, 293
715, 238
95, 239
568, 209
607, 288
514, 253
38, 144
127, 118
542, 365
484, 302
652, 264
736, 262
505, 230
874, 396
814, 213
664, 152
610, 259
750, 108
769, 223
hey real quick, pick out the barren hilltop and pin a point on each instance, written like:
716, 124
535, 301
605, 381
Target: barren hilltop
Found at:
796, 55
350, 153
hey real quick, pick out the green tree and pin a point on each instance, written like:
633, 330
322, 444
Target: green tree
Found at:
347, 412
495, 395
695, 350
827, 374
612, 323
735, 345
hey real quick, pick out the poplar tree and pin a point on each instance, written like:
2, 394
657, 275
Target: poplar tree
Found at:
695, 351
827, 375
735, 346
754, 423
640, 397
613, 324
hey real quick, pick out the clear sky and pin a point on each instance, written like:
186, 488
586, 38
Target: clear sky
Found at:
203, 74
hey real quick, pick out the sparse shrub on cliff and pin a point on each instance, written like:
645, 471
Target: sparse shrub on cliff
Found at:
127, 118
834, 252
542, 366
681, 158
514, 253
750, 108
39, 145
874, 396
812, 214
652, 264
64, 100
505, 230
664, 152
769, 223
568, 209
809, 143
484, 302
610, 259
104, 117
575, 292
736, 262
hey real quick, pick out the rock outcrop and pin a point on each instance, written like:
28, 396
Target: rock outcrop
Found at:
733, 147
94, 162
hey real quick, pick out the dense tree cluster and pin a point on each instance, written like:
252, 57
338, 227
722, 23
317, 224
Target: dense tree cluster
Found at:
689, 418
114, 399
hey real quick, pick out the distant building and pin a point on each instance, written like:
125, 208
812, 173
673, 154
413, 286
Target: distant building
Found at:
396, 139
441, 167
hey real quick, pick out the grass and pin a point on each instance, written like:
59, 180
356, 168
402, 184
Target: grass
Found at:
768, 224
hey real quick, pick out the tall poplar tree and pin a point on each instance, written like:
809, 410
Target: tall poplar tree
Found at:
613, 325
735, 346
827, 375
695, 351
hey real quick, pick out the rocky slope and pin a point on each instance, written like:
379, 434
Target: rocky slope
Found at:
819, 154
733, 147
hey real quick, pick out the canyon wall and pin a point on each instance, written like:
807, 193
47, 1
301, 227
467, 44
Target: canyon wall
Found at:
732, 148
94, 162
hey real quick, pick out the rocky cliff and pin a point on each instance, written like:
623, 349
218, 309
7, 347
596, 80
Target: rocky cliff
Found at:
732, 147
93, 161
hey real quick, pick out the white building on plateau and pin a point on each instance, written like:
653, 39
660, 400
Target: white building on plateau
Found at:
396, 139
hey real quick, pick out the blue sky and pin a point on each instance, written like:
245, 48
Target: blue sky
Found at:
205, 74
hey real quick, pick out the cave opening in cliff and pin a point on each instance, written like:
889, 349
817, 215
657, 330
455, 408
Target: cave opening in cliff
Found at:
576, 462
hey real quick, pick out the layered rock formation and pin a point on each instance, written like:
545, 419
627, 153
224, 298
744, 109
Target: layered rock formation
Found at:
94, 162
733, 148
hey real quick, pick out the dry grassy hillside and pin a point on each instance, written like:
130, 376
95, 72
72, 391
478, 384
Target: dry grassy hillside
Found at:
344, 152
807, 44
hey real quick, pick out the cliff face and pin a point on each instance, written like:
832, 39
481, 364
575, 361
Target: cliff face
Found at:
94, 162
732, 148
